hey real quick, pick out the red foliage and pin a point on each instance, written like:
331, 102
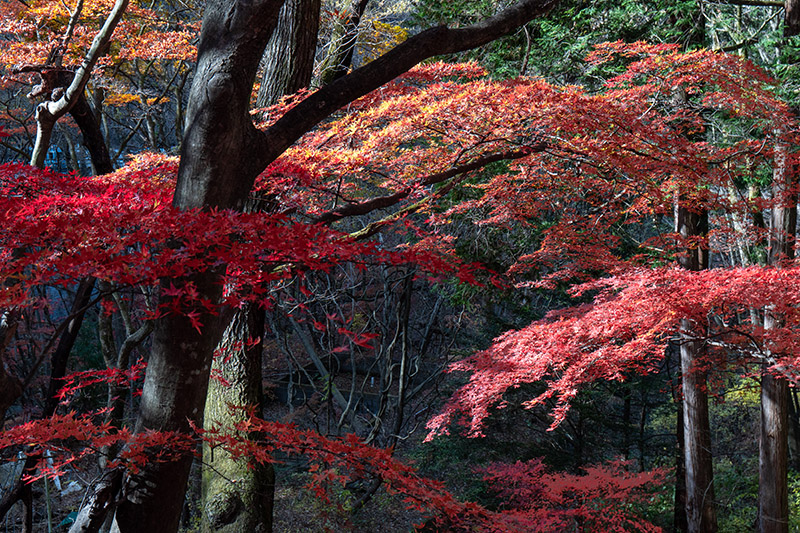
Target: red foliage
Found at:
600, 500
625, 331
591, 163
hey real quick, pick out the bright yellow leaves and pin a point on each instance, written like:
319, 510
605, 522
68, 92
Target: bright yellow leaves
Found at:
380, 38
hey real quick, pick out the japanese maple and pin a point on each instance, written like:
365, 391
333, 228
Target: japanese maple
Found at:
592, 162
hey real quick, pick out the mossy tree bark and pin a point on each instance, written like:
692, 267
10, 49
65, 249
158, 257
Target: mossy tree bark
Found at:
237, 496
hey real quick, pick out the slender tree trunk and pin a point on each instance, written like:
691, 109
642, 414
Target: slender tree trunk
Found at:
679, 523
794, 430
700, 514
340, 59
774, 439
773, 494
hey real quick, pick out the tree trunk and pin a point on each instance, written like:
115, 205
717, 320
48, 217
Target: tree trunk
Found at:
237, 496
679, 522
773, 491
173, 396
289, 57
341, 57
700, 514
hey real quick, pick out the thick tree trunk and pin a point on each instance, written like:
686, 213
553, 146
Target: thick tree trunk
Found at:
214, 172
289, 57
700, 514
173, 396
237, 496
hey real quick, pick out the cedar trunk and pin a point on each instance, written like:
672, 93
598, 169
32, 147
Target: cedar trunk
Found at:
237, 496
700, 514
773, 463
289, 57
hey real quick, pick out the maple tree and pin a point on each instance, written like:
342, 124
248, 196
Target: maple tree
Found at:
211, 175
601, 161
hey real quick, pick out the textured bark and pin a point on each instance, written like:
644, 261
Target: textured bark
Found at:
289, 57
700, 513
773, 464
214, 155
773, 493
791, 18
679, 523
10, 385
236, 496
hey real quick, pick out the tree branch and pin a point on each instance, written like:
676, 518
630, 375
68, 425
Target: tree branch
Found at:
400, 59
381, 202
754, 3
48, 112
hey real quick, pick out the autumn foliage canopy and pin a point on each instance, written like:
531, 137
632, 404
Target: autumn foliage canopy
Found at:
439, 146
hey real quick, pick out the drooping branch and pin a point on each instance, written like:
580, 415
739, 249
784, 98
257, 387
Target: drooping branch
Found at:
382, 202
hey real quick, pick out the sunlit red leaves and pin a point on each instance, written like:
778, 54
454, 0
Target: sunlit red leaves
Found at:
171, 45
626, 330
611, 158
143, 34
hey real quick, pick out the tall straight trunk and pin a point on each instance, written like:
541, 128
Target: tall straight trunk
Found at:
679, 523
691, 223
773, 492
700, 514
289, 57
